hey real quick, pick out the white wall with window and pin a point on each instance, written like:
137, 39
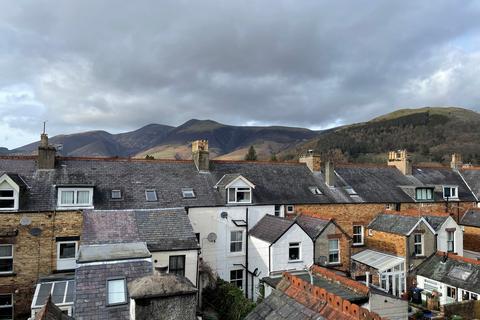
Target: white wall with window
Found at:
6, 258
358, 235
448, 293
237, 277
73, 197
66, 254
9, 194
239, 191
294, 250
450, 235
173, 261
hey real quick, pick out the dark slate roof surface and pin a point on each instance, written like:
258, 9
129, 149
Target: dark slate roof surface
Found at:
312, 226
435, 222
447, 272
270, 228
393, 223
472, 178
279, 306
471, 218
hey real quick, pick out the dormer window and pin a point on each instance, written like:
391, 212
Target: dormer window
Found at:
239, 195
188, 193
424, 194
151, 195
7, 199
9, 192
450, 192
315, 190
75, 197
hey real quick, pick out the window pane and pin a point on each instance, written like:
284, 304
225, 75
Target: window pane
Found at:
67, 197
7, 203
67, 250
59, 292
6, 265
43, 293
231, 195
333, 244
294, 253
116, 194
70, 290
83, 197
237, 235
5, 300
6, 313
177, 265
6, 251
116, 291
446, 192
151, 195
6, 193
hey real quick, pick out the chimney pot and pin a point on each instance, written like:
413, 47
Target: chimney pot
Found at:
46, 154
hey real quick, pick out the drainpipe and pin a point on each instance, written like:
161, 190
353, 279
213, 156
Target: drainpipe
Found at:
246, 256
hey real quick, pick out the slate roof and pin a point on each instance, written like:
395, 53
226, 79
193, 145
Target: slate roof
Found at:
471, 218
270, 228
280, 306
393, 223
275, 182
436, 221
312, 226
451, 272
472, 178
162, 229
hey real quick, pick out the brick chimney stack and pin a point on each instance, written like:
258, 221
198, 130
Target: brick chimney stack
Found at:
312, 160
401, 160
200, 155
46, 154
457, 162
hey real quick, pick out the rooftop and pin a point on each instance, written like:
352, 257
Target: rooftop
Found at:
157, 285
115, 251
312, 226
471, 218
271, 228
377, 260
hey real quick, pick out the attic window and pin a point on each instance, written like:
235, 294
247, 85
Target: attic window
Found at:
188, 193
7, 199
424, 194
315, 190
116, 194
450, 192
151, 195
75, 197
239, 195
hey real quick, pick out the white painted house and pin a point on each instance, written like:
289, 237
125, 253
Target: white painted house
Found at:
449, 234
276, 245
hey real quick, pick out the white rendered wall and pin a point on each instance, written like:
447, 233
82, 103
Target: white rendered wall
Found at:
161, 259
442, 237
259, 259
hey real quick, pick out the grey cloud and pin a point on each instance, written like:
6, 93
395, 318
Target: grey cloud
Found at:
101, 64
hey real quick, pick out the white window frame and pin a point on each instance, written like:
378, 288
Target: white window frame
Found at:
66, 263
236, 191
11, 305
8, 258
64, 305
452, 240
293, 245
119, 192
75, 203
14, 197
421, 243
277, 210
233, 281
289, 208
446, 292
236, 241
151, 190
451, 188
427, 190
125, 295
361, 234
188, 193
334, 251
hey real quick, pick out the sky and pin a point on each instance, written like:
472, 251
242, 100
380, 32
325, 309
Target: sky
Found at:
119, 65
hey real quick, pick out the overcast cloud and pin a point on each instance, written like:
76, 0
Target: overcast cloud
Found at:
117, 66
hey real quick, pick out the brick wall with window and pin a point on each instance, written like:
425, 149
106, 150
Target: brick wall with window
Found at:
34, 251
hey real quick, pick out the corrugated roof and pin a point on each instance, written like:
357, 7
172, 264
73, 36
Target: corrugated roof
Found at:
377, 260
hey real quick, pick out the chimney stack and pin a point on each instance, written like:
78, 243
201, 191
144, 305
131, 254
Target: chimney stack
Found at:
46, 154
200, 155
457, 162
330, 174
401, 160
312, 160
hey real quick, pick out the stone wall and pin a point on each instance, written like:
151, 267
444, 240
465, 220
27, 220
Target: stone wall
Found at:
387, 242
471, 239
321, 247
167, 308
466, 309
34, 256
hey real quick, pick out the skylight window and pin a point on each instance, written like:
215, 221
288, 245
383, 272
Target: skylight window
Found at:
460, 273
188, 193
151, 195
315, 190
116, 194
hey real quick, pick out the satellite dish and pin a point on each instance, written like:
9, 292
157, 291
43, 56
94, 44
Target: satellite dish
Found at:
35, 232
212, 237
25, 221
224, 215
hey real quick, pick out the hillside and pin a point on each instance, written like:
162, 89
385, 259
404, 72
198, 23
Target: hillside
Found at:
430, 134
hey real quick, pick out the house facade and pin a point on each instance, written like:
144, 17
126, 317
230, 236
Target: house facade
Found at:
470, 223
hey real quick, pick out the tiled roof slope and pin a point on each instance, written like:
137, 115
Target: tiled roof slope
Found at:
162, 229
471, 218
270, 228
472, 178
402, 224
280, 306
456, 271
275, 182
312, 226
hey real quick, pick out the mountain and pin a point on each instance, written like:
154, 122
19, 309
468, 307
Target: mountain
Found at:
162, 141
429, 134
